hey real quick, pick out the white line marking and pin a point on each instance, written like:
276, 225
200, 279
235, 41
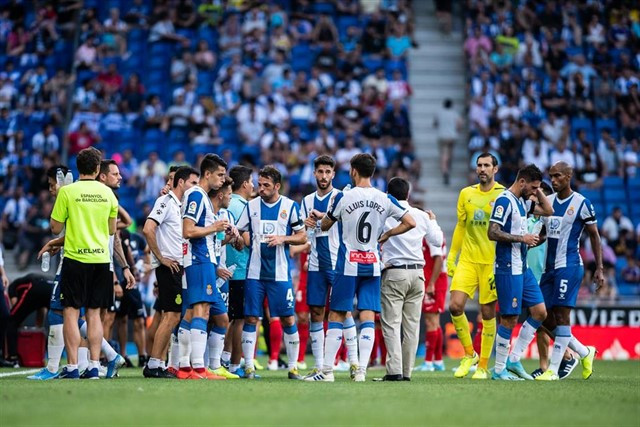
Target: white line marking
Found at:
11, 374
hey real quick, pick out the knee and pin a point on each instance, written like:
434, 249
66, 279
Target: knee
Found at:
509, 321
288, 321
539, 314
456, 309
251, 320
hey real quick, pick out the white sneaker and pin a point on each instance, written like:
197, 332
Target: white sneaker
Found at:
321, 376
272, 365
360, 376
302, 366
342, 366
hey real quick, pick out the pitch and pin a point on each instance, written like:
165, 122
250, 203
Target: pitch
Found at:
610, 397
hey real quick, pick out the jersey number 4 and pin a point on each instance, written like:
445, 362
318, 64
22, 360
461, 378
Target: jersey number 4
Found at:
363, 233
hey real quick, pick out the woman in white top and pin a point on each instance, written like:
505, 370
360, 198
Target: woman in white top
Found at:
448, 123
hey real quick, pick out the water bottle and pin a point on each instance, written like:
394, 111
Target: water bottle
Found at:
68, 179
46, 261
311, 232
220, 280
59, 178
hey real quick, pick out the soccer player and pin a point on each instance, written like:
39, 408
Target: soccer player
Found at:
273, 223
88, 211
220, 200
474, 270
515, 284
202, 296
242, 189
163, 231
322, 263
573, 213
361, 213
433, 304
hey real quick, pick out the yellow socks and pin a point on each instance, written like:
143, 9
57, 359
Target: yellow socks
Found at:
486, 346
462, 329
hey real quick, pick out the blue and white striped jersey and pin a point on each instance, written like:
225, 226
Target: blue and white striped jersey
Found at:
261, 219
510, 213
197, 207
564, 229
218, 238
324, 244
361, 214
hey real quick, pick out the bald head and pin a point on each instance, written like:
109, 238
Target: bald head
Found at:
561, 167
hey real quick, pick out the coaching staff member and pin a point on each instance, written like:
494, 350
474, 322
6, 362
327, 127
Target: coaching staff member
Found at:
402, 288
163, 231
87, 210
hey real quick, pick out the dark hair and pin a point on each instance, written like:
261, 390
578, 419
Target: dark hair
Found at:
88, 161
494, 159
104, 166
270, 171
174, 168
211, 163
398, 188
239, 174
53, 171
183, 172
448, 103
228, 182
529, 173
364, 164
546, 188
324, 160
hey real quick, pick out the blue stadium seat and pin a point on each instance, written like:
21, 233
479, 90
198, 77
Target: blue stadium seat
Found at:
614, 196
606, 124
347, 21
594, 196
372, 63
633, 185
611, 182
578, 123
324, 8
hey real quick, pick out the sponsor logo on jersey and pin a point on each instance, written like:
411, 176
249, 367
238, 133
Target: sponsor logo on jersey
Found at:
192, 208
571, 211
478, 215
499, 212
360, 257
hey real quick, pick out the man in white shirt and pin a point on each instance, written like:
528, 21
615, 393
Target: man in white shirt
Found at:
46, 141
402, 289
163, 231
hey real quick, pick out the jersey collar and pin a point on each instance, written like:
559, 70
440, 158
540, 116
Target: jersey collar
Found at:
239, 197
173, 196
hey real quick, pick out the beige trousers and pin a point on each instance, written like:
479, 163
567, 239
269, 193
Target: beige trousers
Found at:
402, 293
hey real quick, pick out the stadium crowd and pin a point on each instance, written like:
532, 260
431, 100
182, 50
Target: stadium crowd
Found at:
558, 81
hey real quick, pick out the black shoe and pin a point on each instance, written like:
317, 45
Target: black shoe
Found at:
566, 367
390, 378
142, 360
406, 378
127, 362
147, 372
282, 364
167, 374
4, 363
537, 373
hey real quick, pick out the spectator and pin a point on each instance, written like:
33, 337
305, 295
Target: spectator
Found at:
478, 44
133, 92
398, 88
614, 224
45, 141
230, 42
177, 116
110, 81
398, 43
88, 54
163, 30
325, 34
81, 138
183, 69
373, 41
605, 102
33, 233
631, 271
205, 59
631, 159
153, 112
449, 123
14, 216
115, 35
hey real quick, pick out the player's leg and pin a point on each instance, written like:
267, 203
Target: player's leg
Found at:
368, 293
184, 342
254, 294
99, 296
152, 330
487, 297
304, 332
509, 289
281, 305
432, 324
316, 300
533, 299
236, 315
122, 325
463, 286
275, 340
395, 283
73, 296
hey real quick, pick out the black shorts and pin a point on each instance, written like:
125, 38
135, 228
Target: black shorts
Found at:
86, 285
131, 304
169, 289
236, 299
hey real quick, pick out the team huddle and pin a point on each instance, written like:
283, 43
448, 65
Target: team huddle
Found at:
222, 262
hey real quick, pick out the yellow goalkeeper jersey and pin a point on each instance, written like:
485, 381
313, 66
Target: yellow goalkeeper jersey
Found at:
470, 236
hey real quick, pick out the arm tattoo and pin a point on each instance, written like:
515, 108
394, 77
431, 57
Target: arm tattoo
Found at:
496, 234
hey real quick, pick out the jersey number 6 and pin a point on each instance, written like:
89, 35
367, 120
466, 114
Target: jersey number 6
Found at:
364, 229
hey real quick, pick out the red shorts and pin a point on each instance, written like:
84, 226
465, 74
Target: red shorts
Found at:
301, 298
436, 304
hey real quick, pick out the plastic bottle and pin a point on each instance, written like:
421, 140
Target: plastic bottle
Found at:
46, 261
311, 232
220, 280
59, 178
68, 179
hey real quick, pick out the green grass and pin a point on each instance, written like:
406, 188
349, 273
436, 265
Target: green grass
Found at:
611, 397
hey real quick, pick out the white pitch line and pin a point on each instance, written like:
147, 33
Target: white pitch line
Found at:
11, 374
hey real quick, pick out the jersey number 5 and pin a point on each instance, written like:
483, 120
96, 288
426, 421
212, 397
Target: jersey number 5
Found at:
363, 233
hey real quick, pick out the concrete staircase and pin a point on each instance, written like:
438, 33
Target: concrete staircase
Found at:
437, 71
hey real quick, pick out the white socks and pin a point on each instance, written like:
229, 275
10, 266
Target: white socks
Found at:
563, 337
83, 358
216, 345
332, 345
316, 333
198, 341
525, 336
351, 340
292, 345
578, 347
184, 347
503, 340
365, 343
248, 345
55, 346
174, 352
